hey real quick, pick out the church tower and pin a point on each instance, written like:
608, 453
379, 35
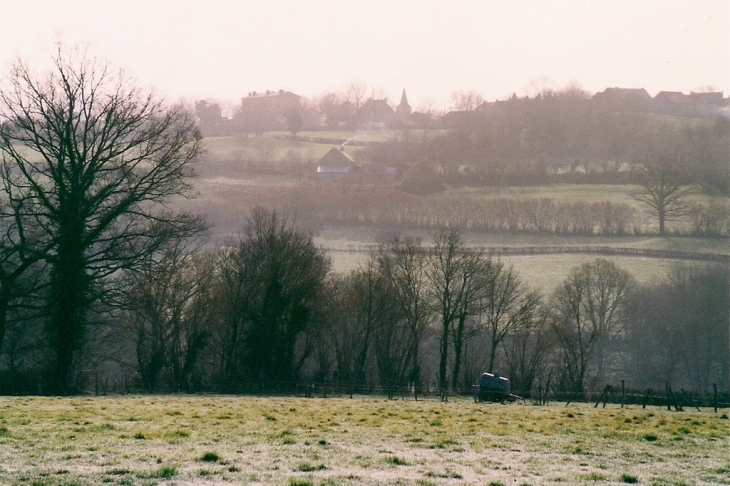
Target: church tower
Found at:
403, 110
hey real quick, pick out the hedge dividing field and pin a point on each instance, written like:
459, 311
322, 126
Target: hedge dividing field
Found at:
145, 440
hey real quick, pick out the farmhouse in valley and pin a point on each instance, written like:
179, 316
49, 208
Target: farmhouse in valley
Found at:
335, 164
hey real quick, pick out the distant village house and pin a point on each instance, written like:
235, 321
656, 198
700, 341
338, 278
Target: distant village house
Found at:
260, 112
335, 164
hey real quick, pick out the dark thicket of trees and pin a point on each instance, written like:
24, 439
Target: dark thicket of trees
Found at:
273, 283
678, 330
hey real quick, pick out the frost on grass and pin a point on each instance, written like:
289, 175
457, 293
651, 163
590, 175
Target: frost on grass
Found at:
333, 441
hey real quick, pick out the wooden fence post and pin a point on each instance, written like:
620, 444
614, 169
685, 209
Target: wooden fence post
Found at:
623, 394
646, 397
689, 399
666, 392
604, 396
714, 389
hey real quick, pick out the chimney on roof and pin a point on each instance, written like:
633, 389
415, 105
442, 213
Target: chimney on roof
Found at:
281, 91
268, 92
253, 93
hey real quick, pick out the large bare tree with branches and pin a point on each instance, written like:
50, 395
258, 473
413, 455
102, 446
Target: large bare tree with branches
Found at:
587, 310
405, 265
663, 185
89, 161
457, 278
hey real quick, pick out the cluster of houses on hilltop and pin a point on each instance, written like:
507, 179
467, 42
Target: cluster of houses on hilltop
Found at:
665, 102
701, 105
283, 110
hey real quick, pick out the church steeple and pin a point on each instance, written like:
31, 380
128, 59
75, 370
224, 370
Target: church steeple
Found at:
403, 110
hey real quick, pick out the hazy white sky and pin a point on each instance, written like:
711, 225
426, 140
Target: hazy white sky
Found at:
224, 49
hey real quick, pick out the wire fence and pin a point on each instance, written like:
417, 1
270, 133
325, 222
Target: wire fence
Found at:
613, 394
616, 395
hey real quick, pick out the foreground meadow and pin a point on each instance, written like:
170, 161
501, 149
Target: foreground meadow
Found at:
328, 441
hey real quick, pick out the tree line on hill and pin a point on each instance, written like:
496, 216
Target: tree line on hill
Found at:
103, 286
565, 136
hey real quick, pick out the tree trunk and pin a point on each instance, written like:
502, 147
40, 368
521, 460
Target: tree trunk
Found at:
443, 383
416, 372
4, 308
67, 305
458, 346
492, 353
662, 218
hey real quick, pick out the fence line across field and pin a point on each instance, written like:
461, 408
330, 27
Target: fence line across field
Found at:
541, 250
541, 395
616, 395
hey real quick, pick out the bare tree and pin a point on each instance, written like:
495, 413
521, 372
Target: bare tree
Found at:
505, 304
91, 159
170, 305
526, 350
335, 108
22, 269
294, 121
700, 298
228, 336
588, 318
465, 100
455, 274
663, 185
404, 265
356, 92
373, 309
427, 110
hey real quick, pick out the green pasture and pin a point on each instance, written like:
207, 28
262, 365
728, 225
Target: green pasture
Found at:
177, 439
374, 135
572, 193
588, 193
546, 272
236, 149
278, 145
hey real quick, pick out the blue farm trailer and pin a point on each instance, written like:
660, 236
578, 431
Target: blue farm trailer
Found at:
492, 388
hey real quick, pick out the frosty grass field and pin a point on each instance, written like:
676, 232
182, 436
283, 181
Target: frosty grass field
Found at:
182, 440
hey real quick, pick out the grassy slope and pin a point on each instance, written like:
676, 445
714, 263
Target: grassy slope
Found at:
164, 440
238, 148
544, 272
